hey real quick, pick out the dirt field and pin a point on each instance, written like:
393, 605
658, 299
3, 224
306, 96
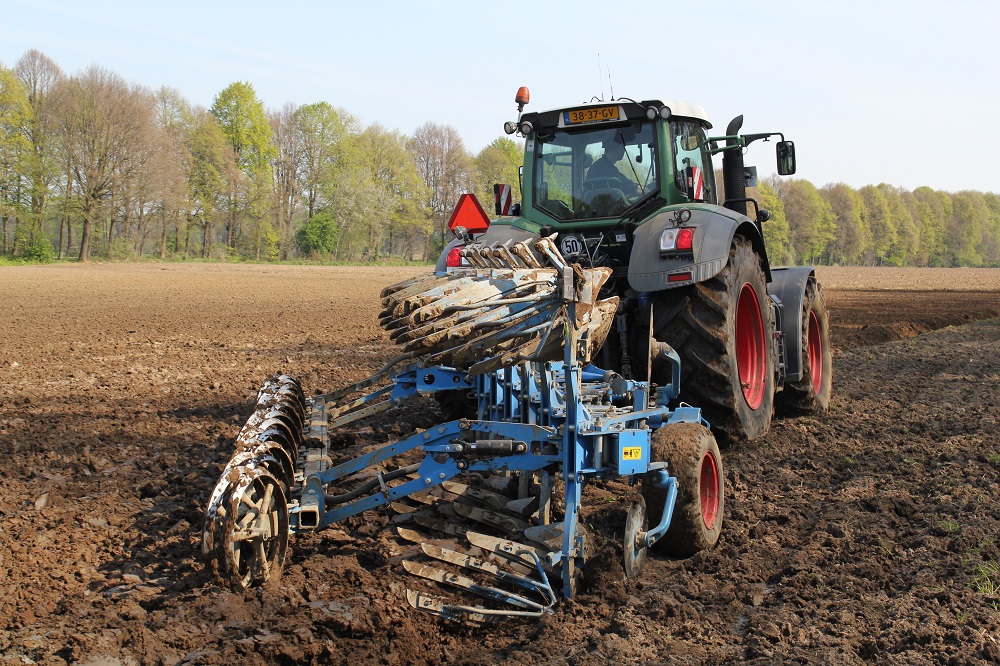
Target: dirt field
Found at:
866, 536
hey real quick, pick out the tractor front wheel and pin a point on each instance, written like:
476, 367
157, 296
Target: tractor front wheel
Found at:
693, 458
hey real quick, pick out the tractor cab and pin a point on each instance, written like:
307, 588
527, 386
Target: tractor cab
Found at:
586, 164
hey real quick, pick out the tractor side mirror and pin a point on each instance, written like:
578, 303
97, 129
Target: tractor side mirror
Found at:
786, 158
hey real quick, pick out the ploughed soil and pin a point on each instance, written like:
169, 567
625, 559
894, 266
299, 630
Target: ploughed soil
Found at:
869, 535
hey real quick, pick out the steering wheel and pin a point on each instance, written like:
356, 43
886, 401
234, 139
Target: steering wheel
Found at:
601, 183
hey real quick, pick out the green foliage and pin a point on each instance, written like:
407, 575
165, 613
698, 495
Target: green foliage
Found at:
776, 230
318, 235
811, 222
39, 251
15, 150
907, 239
933, 210
852, 237
322, 132
497, 163
881, 224
969, 217
245, 127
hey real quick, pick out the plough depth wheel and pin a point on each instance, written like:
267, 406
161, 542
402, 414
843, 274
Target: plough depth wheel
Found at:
693, 457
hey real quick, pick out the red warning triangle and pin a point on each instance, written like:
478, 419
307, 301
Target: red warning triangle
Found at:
469, 214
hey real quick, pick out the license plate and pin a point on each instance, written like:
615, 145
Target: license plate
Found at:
594, 114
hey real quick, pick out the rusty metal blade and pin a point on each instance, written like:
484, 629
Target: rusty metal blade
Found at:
465, 583
491, 499
492, 518
437, 606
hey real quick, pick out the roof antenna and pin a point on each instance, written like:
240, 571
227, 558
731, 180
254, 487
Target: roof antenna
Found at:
611, 85
600, 79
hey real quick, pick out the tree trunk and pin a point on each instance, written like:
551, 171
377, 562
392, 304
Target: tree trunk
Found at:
62, 222
85, 237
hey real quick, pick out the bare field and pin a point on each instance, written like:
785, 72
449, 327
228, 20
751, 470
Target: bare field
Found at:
909, 279
868, 536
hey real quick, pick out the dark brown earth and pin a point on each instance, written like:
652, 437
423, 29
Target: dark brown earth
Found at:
866, 536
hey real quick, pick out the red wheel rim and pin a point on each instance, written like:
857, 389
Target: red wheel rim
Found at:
815, 353
709, 490
751, 360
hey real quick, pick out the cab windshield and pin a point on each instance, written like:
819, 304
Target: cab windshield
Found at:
595, 172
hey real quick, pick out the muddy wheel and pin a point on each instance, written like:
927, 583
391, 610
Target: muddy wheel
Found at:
811, 394
255, 537
723, 330
693, 458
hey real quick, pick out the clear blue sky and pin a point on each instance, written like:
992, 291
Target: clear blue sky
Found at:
874, 91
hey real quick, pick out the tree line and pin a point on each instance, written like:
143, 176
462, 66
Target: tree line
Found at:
93, 165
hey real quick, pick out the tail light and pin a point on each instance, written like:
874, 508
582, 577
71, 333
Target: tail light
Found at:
685, 238
676, 239
454, 258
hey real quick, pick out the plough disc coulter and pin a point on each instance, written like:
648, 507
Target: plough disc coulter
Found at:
492, 501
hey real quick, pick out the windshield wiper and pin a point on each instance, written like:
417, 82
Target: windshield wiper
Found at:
638, 209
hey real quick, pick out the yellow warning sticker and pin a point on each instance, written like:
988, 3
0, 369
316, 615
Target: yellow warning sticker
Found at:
632, 453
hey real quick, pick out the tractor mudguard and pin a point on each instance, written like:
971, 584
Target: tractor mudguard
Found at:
498, 231
788, 288
714, 230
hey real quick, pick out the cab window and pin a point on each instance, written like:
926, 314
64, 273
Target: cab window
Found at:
594, 173
694, 176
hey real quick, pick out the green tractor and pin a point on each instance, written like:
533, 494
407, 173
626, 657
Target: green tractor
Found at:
631, 185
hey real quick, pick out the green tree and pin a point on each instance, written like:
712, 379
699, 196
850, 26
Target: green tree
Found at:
991, 234
16, 117
881, 225
852, 237
498, 162
244, 124
322, 132
376, 190
39, 74
932, 212
209, 162
907, 240
776, 230
810, 219
318, 234
969, 217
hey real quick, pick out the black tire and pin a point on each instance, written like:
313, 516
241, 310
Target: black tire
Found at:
701, 323
811, 394
693, 457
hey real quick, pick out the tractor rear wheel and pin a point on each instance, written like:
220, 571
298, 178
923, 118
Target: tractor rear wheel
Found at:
723, 330
811, 394
693, 458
